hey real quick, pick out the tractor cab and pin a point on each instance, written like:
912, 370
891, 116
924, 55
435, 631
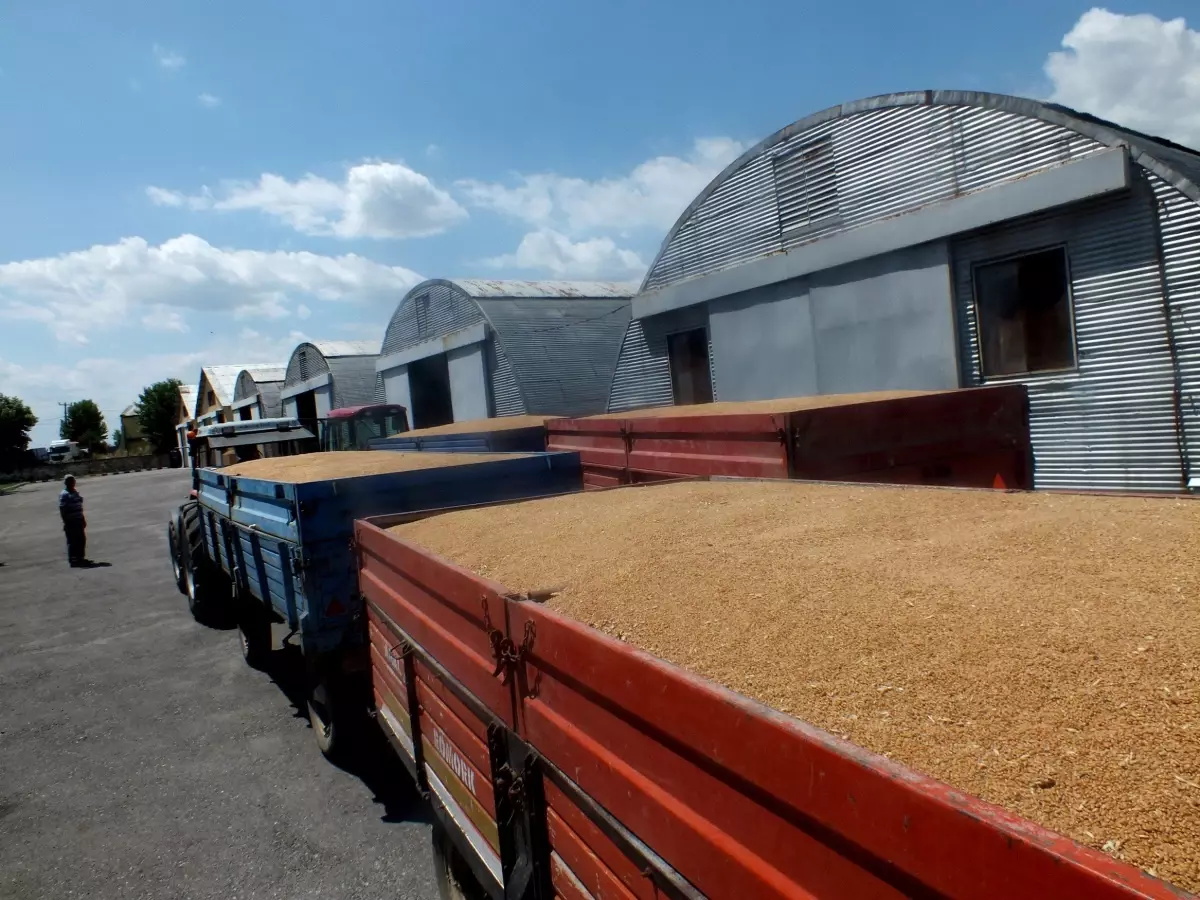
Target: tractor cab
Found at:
354, 427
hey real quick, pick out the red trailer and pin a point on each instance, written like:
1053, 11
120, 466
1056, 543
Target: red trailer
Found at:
975, 437
563, 763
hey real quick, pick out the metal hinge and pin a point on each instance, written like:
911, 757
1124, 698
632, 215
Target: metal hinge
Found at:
507, 655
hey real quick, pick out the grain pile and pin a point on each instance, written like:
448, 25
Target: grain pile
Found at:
500, 423
351, 464
1037, 650
752, 407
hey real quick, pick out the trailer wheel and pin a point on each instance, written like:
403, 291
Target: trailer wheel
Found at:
455, 880
325, 714
254, 635
201, 579
175, 547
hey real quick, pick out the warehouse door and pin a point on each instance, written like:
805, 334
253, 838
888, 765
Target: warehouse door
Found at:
429, 386
687, 353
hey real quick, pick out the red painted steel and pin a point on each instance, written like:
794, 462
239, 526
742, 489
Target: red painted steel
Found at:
600, 444
440, 605
566, 886
964, 438
743, 800
596, 861
461, 734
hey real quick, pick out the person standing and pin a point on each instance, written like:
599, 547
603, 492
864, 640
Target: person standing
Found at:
70, 507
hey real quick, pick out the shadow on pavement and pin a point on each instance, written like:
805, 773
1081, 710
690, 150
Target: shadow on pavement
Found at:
369, 756
92, 564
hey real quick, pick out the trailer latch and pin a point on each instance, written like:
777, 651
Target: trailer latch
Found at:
508, 656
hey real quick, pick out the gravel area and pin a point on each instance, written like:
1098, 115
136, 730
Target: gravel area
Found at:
350, 464
499, 423
751, 407
1037, 650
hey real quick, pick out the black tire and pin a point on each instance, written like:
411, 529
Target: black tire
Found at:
254, 636
202, 580
175, 548
337, 708
454, 878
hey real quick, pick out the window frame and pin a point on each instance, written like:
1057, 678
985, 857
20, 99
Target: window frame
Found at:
671, 368
976, 265
807, 153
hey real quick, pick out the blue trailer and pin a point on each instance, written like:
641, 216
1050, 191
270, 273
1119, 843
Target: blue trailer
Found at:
282, 551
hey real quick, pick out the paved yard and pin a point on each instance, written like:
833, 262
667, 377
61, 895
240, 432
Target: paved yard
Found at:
140, 757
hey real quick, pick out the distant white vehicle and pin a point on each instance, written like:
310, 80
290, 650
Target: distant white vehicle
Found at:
66, 451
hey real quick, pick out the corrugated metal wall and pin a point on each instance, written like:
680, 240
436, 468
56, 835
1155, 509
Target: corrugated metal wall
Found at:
885, 162
643, 373
353, 380
306, 362
1179, 225
1110, 423
448, 310
506, 396
562, 351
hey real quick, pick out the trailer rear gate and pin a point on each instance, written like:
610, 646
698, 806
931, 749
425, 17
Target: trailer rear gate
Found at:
661, 750
976, 437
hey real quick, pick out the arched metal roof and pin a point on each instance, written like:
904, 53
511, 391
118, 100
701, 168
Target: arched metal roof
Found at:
555, 342
1172, 162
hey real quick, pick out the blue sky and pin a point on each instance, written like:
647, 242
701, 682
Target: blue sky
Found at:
189, 183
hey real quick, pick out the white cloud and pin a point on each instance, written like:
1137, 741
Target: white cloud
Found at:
168, 59
209, 100
162, 318
114, 382
651, 196
552, 252
432, 150
1138, 71
104, 287
375, 200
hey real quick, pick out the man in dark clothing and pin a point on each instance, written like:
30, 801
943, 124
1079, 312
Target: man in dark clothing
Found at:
70, 507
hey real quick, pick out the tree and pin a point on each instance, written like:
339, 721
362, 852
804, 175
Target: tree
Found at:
116, 439
84, 424
16, 421
157, 408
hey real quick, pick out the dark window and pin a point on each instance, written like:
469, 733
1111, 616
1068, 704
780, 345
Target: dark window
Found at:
245, 414
1023, 306
687, 353
429, 390
806, 186
212, 398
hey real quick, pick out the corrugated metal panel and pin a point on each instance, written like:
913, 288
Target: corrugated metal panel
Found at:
1110, 424
306, 362
505, 394
1179, 225
563, 352
380, 390
884, 162
353, 380
643, 374
415, 320
588, 290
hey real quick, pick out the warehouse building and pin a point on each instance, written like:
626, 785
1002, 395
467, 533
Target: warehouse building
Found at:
216, 390
469, 349
256, 393
325, 375
184, 418
935, 240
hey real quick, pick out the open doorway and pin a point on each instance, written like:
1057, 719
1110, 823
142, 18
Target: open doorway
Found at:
687, 353
429, 388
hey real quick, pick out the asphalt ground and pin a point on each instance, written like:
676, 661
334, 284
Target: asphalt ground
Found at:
141, 758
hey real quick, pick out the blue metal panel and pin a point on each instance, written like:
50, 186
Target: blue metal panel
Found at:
513, 440
293, 540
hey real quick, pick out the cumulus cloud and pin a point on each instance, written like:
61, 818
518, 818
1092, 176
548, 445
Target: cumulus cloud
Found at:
168, 59
106, 286
1138, 71
209, 100
651, 196
549, 251
375, 200
115, 381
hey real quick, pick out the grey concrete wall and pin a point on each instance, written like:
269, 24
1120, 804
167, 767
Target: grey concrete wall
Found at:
886, 323
762, 343
289, 407
880, 324
468, 383
395, 387
324, 399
